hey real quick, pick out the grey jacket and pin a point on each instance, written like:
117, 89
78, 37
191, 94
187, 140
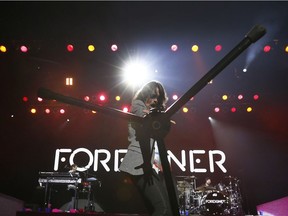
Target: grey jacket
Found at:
133, 158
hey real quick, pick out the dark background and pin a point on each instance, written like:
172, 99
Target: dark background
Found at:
255, 143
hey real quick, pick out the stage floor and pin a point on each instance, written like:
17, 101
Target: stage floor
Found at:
84, 214
30, 213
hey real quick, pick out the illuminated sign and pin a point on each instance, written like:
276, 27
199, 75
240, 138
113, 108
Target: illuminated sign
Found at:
103, 157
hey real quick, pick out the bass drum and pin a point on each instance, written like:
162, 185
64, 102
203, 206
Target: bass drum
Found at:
215, 203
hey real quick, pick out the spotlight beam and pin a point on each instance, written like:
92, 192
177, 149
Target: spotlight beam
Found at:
255, 34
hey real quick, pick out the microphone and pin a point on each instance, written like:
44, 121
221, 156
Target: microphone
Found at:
256, 33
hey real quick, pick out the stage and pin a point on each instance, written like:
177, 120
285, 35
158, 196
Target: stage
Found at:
87, 214
76, 214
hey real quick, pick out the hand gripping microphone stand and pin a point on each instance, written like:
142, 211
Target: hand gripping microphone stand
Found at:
156, 124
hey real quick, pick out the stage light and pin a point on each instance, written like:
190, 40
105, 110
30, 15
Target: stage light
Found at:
3, 49
47, 111
174, 97
249, 109
39, 99
125, 109
102, 97
245, 70
93, 111
185, 109
218, 48
210, 118
256, 97
91, 48
194, 48
25, 99
69, 81
286, 49
114, 47
233, 109
267, 48
62, 111
240, 97
33, 110
117, 98
135, 72
86, 98
224, 97
70, 48
174, 48
24, 49
216, 109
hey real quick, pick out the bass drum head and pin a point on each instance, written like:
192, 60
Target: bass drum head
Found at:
215, 203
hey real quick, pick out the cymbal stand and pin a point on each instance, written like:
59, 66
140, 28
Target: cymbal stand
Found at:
193, 184
236, 198
90, 205
75, 204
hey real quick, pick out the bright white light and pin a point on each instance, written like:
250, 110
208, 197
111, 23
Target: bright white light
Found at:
136, 72
174, 47
210, 118
102, 97
114, 47
175, 97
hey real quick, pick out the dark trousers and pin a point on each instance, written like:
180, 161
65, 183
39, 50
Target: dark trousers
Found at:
155, 195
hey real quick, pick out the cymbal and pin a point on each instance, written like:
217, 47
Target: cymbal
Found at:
183, 184
186, 177
189, 177
230, 177
205, 188
91, 179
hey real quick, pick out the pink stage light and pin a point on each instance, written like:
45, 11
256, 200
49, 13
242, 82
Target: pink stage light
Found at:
218, 48
70, 48
24, 49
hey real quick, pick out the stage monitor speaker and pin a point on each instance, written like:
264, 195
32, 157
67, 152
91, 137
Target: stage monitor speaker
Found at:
84, 204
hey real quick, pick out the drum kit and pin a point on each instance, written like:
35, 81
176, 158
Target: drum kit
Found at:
222, 199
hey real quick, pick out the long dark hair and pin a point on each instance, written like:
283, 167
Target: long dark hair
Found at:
149, 90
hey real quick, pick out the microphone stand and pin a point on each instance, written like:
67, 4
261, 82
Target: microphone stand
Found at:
158, 122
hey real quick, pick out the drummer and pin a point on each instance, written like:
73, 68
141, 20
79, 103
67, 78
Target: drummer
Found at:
208, 182
207, 186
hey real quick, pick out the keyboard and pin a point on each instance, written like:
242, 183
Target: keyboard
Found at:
59, 177
59, 174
